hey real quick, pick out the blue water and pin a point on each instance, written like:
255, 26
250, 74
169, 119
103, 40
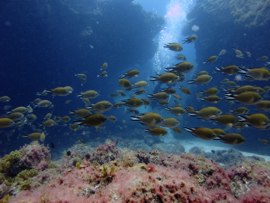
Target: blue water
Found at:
44, 43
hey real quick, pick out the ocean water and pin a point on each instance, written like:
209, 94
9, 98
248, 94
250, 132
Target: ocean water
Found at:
43, 45
46, 44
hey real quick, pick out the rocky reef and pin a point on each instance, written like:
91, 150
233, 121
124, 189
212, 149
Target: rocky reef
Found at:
232, 24
111, 174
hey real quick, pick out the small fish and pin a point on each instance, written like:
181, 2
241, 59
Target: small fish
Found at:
149, 118
232, 138
159, 96
177, 110
260, 74
82, 77
94, 120
174, 46
190, 39
185, 90
62, 91
101, 106
103, 74
104, 65
170, 123
140, 84
90, 94
245, 97
202, 132
222, 52
229, 70
181, 57
240, 110
130, 73
201, 79
182, 67
36, 136
209, 112
49, 123
166, 78
125, 83
5, 99
257, 120
6, 122
157, 131
133, 102
211, 59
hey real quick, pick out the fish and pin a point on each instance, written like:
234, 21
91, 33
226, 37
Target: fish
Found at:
185, 90
104, 65
36, 136
93, 120
202, 132
181, 57
82, 77
130, 73
170, 123
6, 122
166, 78
103, 74
190, 39
229, 70
231, 138
159, 96
157, 131
182, 67
177, 110
201, 79
263, 105
257, 120
211, 59
174, 46
260, 74
44, 103
222, 52
90, 94
133, 102
226, 119
240, 110
125, 83
141, 83
62, 91
149, 118
209, 112
5, 99
101, 106
49, 123
247, 97
211, 98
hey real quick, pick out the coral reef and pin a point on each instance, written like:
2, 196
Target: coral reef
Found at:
18, 167
111, 174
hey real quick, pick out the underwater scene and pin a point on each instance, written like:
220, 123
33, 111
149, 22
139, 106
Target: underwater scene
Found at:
126, 101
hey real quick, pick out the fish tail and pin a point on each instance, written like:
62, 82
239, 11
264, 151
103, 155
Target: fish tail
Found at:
134, 118
188, 129
242, 118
